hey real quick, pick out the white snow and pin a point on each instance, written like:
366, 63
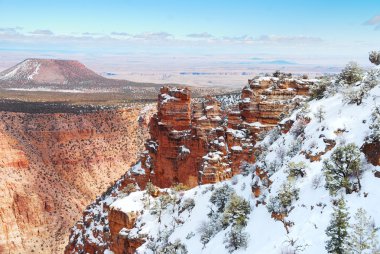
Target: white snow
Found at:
236, 148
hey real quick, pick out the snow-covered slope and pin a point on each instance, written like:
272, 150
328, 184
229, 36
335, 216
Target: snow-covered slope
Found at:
309, 215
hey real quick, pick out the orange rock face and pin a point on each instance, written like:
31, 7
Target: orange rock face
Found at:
52, 165
199, 143
372, 152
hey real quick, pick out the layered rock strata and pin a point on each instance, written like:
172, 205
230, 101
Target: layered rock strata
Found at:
200, 143
52, 165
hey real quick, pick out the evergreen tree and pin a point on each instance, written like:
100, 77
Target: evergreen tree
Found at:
160, 205
363, 236
351, 74
236, 212
375, 125
208, 230
320, 114
343, 165
221, 196
236, 239
317, 91
296, 169
337, 230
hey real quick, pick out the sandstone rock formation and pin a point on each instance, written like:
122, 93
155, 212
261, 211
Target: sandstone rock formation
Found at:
53, 165
200, 143
190, 143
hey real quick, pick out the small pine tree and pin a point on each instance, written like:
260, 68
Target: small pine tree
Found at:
337, 230
208, 230
375, 126
374, 57
236, 239
317, 91
341, 168
281, 205
363, 236
351, 74
160, 205
320, 114
188, 204
221, 196
236, 212
296, 169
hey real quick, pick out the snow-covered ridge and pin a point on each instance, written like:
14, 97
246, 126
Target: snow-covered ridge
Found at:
310, 214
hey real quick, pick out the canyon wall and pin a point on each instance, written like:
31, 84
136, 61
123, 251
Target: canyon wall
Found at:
52, 165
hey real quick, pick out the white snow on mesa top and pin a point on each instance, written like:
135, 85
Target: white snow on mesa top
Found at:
28, 67
131, 203
209, 107
35, 72
166, 98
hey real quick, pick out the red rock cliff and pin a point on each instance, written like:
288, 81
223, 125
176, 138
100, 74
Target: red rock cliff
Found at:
53, 165
195, 143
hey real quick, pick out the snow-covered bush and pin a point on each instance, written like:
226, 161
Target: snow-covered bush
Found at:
298, 127
374, 57
296, 170
221, 196
208, 229
281, 203
161, 204
318, 90
375, 126
351, 74
177, 247
236, 239
236, 212
343, 169
295, 147
187, 205
355, 95
246, 168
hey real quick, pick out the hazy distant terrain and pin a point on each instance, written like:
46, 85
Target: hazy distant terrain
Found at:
221, 71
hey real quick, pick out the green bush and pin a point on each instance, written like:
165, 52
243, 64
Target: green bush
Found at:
351, 74
343, 169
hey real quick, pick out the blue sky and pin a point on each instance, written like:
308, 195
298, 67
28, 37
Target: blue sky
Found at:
274, 27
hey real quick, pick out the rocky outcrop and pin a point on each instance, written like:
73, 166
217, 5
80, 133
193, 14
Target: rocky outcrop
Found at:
200, 143
53, 165
371, 151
